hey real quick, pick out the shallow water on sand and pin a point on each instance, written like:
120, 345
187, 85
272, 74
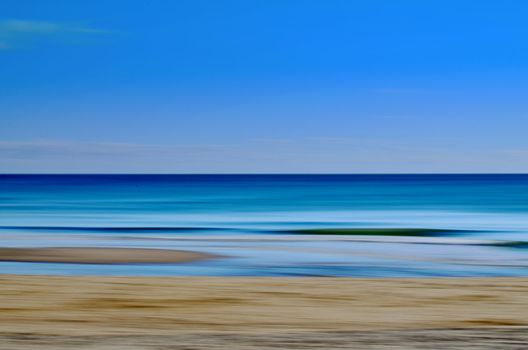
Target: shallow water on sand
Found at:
259, 222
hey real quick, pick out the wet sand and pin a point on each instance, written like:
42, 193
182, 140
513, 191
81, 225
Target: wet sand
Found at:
100, 255
430, 339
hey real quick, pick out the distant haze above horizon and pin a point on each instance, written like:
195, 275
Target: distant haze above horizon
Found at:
263, 86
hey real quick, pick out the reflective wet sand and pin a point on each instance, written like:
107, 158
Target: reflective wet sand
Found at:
97, 255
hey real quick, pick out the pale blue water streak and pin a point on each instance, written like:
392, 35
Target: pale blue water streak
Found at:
243, 217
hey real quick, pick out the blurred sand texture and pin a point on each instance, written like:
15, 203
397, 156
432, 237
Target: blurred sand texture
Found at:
145, 305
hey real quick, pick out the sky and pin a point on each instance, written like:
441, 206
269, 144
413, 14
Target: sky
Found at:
263, 86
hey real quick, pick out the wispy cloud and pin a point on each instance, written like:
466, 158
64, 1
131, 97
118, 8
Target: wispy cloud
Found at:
108, 157
53, 149
309, 154
15, 31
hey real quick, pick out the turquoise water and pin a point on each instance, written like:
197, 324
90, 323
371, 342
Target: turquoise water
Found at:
257, 222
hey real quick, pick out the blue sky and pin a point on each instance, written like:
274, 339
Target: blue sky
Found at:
263, 86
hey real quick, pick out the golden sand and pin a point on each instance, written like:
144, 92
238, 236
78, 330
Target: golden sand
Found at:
143, 305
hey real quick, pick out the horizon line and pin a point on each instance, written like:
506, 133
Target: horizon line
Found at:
257, 174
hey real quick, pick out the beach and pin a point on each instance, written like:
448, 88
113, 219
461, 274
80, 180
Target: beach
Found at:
44, 312
152, 262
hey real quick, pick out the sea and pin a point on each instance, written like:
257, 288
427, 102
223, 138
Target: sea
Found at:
275, 225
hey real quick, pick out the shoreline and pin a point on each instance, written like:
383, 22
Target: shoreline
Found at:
101, 255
